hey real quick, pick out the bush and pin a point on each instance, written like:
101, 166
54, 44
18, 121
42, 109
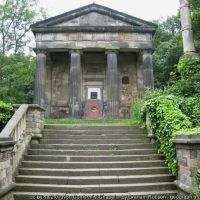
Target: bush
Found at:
191, 107
166, 118
189, 85
188, 66
136, 110
6, 111
196, 190
198, 179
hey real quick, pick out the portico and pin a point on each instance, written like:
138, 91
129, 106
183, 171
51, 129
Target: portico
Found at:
92, 60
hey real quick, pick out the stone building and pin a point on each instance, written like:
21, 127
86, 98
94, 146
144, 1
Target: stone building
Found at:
92, 62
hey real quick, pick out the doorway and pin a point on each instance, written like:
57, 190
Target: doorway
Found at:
93, 104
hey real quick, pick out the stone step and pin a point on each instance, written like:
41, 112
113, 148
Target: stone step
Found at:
99, 188
93, 146
92, 153
93, 141
90, 180
92, 132
94, 172
167, 194
85, 165
90, 136
95, 128
69, 158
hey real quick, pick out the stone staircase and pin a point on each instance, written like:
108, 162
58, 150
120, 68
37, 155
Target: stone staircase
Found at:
111, 161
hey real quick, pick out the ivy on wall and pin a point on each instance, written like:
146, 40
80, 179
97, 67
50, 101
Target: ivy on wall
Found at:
166, 118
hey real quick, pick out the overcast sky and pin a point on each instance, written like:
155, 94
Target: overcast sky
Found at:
145, 9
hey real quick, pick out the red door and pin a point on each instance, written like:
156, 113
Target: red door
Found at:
93, 109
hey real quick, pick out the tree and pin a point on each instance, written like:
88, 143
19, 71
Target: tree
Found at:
168, 49
16, 16
17, 76
16, 68
195, 8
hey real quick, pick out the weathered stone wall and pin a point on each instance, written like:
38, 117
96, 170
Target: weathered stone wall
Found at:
94, 40
93, 66
128, 92
188, 160
57, 85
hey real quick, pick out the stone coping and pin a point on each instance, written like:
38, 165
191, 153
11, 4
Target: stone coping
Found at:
4, 142
187, 139
112, 29
30, 106
7, 189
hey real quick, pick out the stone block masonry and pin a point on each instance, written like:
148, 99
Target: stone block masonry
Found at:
188, 160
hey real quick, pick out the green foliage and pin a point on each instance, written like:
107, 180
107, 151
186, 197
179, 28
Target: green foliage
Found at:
16, 78
168, 47
6, 111
185, 88
195, 8
189, 84
198, 179
191, 107
138, 105
16, 16
188, 66
166, 118
189, 131
136, 110
196, 190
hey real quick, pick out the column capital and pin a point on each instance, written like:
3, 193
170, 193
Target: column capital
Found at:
112, 50
146, 51
78, 50
184, 3
38, 50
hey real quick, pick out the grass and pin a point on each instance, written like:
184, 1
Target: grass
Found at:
80, 122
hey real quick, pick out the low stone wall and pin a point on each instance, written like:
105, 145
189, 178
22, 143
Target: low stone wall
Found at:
188, 160
25, 124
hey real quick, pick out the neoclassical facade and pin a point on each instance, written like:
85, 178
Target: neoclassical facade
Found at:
92, 62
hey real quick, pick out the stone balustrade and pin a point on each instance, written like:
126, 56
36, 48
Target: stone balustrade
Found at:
26, 123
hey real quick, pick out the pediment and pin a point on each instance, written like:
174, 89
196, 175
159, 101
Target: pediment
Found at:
93, 19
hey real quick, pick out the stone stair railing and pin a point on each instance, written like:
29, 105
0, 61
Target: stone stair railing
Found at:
25, 124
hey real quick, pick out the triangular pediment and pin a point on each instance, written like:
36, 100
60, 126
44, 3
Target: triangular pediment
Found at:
93, 19
92, 15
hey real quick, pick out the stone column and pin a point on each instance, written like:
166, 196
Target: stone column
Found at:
186, 22
147, 69
112, 82
40, 76
75, 83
